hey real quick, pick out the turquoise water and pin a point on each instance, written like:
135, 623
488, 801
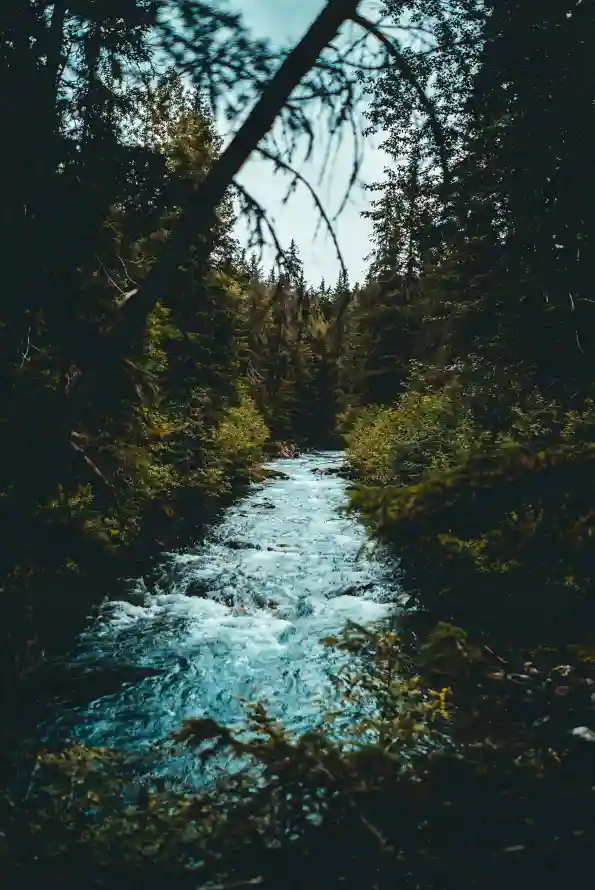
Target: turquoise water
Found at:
239, 616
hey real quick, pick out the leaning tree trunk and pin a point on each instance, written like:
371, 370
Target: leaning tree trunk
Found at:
198, 215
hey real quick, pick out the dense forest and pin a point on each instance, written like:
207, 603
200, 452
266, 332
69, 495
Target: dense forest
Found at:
458, 377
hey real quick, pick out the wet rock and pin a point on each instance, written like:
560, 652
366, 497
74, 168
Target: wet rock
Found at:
285, 450
78, 686
241, 545
304, 608
196, 588
355, 589
263, 473
266, 505
264, 602
584, 733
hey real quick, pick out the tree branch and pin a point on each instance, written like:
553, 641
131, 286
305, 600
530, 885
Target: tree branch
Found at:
203, 202
403, 65
279, 162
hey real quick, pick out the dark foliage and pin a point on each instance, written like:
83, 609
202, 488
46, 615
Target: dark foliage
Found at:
459, 376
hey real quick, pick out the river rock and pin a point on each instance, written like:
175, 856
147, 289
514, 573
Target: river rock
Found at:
80, 686
196, 588
304, 608
264, 602
267, 473
264, 474
355, 589
286, 450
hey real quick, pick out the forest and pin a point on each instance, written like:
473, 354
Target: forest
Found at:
150, 364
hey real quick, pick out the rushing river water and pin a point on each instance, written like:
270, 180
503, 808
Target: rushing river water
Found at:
239, 616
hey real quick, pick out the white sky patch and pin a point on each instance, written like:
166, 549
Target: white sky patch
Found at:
285, 22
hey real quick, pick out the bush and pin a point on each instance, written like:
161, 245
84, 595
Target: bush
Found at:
494, 530
240, 437
370, 444
424, 430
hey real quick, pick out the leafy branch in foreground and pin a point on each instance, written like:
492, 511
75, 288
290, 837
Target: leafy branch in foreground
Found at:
431, 744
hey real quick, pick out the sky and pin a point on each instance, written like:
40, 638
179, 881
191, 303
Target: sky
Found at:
285, 21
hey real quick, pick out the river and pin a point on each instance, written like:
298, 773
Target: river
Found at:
238, 616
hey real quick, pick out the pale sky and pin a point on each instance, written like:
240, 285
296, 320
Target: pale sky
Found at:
282, 21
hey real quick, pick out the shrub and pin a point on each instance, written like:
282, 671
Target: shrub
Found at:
493, 530
370, 445
240, 437
424, 430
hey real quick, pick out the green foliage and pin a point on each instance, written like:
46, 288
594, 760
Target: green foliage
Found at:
289, 355
174, 425
239, 439
370, 440
477, 471
462, 371
484, 521
425, 430
429, 747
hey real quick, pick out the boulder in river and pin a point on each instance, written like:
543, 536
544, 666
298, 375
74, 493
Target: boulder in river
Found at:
286, 450
196, 588
263, 474
355, 589
264, 602
241, 545
304, 607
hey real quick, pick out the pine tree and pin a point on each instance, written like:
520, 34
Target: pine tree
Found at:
524, 202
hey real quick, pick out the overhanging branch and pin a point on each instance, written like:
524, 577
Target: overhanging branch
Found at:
405, 69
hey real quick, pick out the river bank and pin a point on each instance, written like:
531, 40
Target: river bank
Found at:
44, 623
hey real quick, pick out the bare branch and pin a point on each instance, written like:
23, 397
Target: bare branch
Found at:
108, 276
126, 272
262, 218
25, 357
279, 162
92, 466
405, 69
